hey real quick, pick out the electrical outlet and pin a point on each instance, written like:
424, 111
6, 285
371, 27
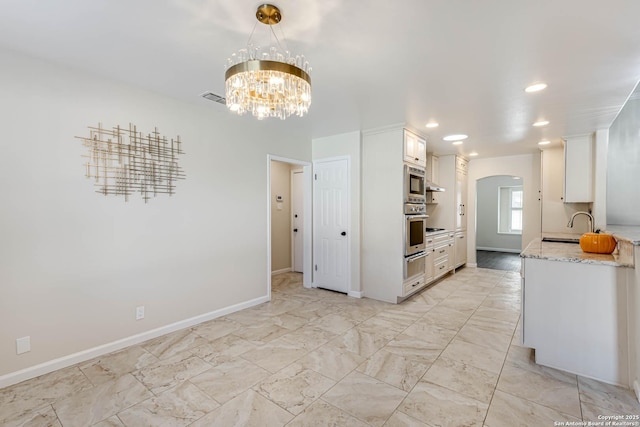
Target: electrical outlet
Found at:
140, 312
23, 345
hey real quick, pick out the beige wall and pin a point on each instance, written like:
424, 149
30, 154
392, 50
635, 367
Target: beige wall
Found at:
74, 264
525, 166
347, 144
280, 216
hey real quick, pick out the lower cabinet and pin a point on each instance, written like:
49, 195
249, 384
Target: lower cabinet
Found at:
460, 249
439, 259
429, 266
413, 285
442, 254
575, 316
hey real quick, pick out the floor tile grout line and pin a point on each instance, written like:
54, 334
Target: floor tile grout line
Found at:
506, 355
449, 343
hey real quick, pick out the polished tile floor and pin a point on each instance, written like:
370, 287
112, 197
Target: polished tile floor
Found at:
449, 356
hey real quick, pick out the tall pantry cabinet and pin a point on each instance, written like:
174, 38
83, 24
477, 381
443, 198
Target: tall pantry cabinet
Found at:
451, 211
384, 153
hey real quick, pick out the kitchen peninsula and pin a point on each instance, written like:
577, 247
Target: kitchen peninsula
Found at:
576, 307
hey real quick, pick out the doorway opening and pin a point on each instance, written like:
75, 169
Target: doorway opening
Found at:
288, 220
499, 222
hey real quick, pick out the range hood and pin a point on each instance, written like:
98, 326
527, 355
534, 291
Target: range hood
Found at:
432, 187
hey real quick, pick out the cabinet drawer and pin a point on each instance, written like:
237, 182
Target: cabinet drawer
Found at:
412, 285
440, 251
441, 267
441, 239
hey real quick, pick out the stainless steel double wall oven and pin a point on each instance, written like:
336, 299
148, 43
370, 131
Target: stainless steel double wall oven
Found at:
415, 222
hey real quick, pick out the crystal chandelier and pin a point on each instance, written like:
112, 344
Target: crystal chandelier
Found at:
267, 82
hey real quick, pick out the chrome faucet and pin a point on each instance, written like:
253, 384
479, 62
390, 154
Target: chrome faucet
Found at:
591, 220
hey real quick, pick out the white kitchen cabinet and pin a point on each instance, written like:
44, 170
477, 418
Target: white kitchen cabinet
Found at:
429, 272
433, 176
451, 211
575, 317
443, 254
461, 199
451, 265
383, 220
415, 149
460, 248
578, 169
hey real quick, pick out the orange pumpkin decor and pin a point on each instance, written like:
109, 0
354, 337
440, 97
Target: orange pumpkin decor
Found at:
597, 243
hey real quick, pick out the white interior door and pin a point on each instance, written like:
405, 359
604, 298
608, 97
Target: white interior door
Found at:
297, 219
331, 203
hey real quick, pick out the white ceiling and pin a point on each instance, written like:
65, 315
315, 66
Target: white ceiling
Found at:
462, 63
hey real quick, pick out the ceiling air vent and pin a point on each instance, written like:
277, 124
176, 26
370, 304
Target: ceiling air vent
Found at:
215, 98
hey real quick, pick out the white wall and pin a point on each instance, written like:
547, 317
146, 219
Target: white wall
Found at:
346, 144
526, 166
623, 172
487, 208
280, 216
75, 264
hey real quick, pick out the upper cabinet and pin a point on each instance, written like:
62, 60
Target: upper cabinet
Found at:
555, 211
415, 149
578, 169
433, 176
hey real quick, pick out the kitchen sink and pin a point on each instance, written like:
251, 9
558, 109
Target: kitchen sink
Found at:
561, 239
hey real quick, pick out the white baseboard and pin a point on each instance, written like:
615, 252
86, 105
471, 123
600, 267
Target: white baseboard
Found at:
356, 294
636, 389
472, 265
512, 251
282, 270
82, 356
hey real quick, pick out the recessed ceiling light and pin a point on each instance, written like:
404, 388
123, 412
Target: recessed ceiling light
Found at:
432, 125
544, 142
535, 87
473, 154
541, 123
457, 142
455, 137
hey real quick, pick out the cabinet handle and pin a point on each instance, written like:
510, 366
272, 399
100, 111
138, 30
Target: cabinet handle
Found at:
442, 267
415, 284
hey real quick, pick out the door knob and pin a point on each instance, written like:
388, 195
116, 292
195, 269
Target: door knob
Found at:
295, 230
344, 233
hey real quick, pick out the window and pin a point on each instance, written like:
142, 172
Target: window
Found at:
510, 210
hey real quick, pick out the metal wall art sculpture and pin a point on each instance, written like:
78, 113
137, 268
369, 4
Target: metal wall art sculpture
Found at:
124, 161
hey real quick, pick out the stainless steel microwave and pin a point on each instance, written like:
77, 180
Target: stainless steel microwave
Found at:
414, 181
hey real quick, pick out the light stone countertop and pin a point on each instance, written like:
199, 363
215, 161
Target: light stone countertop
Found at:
629, 233
571, 252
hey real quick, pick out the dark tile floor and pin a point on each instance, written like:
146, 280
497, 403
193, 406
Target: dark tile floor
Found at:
498, 260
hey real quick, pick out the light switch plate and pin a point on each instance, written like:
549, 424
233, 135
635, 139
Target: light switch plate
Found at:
23, 345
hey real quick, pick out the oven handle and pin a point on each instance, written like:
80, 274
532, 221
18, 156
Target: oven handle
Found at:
415, 257
410, 216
